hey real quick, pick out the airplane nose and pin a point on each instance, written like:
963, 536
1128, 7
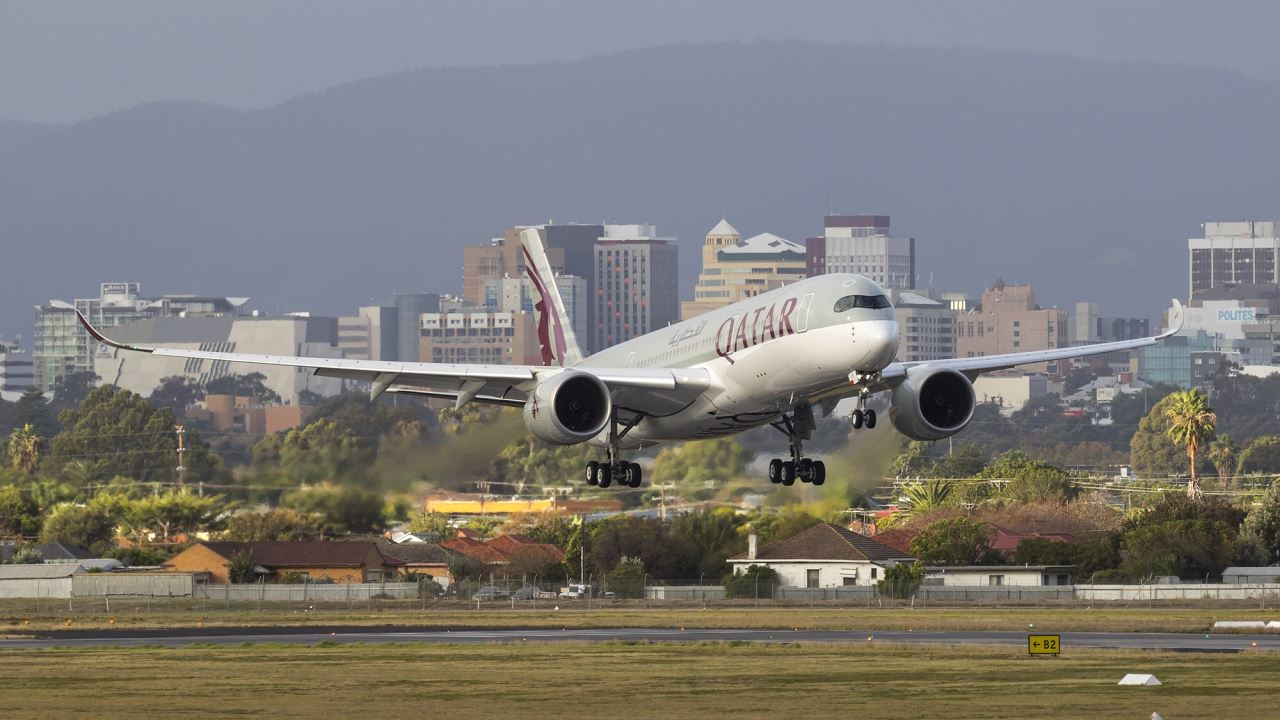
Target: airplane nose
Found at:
879, 338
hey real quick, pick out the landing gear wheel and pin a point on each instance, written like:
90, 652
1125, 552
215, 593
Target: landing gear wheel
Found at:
858, 419
606, 475
633, 475
593, 473
871, 419
775, 471
819, 472
788, 473
804, 470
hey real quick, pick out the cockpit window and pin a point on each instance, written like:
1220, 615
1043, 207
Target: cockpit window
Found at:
862, 302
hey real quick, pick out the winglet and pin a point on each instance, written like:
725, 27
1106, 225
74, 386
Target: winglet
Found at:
93, 332
555, 332
1176, 318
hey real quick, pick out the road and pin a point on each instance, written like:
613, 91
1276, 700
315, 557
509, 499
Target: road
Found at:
180, 637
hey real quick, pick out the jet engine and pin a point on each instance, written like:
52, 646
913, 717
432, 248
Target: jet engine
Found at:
570, 408
932, 403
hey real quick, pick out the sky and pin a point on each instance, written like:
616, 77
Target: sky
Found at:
64, 61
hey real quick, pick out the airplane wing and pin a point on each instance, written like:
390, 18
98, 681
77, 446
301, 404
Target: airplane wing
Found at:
974, 366
650, 391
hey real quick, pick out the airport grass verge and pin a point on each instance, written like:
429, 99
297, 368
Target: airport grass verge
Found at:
615, 680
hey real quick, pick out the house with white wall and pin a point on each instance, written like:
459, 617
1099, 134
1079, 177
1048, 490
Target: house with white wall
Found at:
998, 575
823, 556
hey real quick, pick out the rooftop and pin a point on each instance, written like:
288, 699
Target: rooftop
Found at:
723, 228
764, 244
826, 542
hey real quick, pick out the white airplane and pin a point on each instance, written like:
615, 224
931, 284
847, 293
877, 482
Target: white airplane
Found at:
768, 360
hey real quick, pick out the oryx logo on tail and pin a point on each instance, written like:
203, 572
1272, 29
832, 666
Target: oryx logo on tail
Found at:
555, 334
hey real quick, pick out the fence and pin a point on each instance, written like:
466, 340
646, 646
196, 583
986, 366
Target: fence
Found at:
142, 585
1180, 593
307, 592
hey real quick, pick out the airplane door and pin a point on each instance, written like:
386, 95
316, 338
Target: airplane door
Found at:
806, 304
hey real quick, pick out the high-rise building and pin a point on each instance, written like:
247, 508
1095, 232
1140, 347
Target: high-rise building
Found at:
63, 347
734, 269
410, 307
517, 294
480, 336
636, 274
1238, 260
1009, 321
861, 244
927, 327
17, 371
1089, 326
503, 257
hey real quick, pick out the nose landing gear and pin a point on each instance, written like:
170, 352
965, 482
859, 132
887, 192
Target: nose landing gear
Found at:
864, 416
798, 427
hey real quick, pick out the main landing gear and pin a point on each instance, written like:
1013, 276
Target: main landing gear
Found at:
798, 427
625, 474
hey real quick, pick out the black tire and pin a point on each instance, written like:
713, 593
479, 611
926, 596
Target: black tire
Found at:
788, 473
871, 419
606, 475
804, 470
635, 475
857, 419
593, 473
775, 471
819, 472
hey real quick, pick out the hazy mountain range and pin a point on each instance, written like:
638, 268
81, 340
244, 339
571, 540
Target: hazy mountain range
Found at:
1083, 177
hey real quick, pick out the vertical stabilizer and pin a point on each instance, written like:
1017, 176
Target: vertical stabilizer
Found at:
555, 332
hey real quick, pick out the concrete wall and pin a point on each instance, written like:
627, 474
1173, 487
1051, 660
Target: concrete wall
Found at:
830, 574
36, 588
1176, 592
268, 592
168, 584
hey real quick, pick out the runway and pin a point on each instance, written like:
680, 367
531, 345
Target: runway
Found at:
182, 637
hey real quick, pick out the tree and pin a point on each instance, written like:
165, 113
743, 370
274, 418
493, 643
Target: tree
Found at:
166, 515
714, 533
26, 555
240, 567
1042, 551
1261, 455
266, 525
1152, 452
1223, 452
757, 581
771, 527
24, 448
921, 497
341, 509
627, 579
177, 393
901, 580
253, 385
122, 434
1031, 480
70, 390
702, 467
954, 541
89, 527
19, 516
1182, 548
1263, 523
33, 409
1190, 425
431, 523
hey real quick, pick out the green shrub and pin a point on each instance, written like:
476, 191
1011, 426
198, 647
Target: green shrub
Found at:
757, 581
902, 580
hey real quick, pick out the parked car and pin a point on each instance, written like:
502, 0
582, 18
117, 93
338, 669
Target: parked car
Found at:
491, 592
575, 591
528, 592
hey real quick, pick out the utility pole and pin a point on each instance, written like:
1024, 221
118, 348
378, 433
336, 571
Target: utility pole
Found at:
182, 449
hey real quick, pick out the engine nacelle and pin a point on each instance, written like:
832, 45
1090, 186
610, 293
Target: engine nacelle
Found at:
570, 408
932, 403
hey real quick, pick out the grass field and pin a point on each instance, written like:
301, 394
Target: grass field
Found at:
16, 620
614, 680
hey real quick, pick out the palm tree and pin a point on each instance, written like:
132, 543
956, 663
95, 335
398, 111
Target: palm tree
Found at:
921, 497
1223, 452
24, 448
1190, 424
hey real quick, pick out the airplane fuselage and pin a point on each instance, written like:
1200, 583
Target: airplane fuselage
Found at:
762, 354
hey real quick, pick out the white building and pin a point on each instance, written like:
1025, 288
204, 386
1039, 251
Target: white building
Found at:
861, 244
999, 575
823, 556
1011, 390
142, 372
17, 370
927, 327
1232, 254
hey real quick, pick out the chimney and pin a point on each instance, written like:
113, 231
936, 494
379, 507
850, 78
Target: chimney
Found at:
752, 541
